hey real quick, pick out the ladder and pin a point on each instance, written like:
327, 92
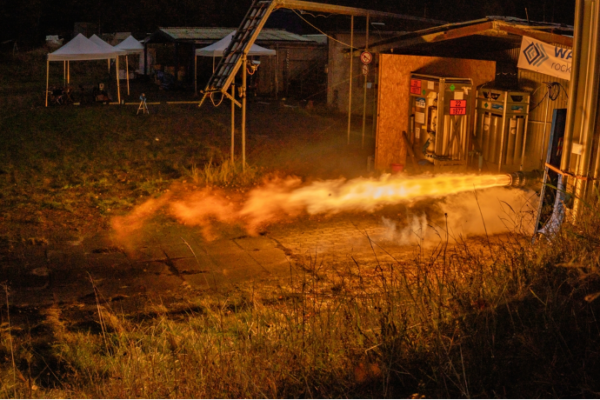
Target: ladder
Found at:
239, 46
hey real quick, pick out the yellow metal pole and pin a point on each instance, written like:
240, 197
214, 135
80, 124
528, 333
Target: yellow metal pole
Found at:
127, 72
68, 72
47, 79
362, 143
232, 123
350, 85
244, 66
118, 83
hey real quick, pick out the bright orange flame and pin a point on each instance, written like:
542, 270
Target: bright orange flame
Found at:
283, 198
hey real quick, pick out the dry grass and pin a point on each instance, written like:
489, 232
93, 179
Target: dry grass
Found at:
450, 323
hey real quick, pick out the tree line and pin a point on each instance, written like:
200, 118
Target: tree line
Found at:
28, 21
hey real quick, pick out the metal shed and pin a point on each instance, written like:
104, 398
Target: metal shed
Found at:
296, 55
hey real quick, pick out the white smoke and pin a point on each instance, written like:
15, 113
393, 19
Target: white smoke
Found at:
477, 213
413, 232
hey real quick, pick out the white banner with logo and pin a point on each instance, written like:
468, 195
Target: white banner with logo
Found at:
545, 58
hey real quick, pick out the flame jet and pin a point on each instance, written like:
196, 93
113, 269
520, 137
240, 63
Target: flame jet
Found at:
281, 198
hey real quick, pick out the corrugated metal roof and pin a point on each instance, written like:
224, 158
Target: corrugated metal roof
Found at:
319, 38
509, 28
271, 35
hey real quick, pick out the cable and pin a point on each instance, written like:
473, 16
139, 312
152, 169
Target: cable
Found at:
553, 91
540, 102
565, 90
315, 16
213, 101
320, 31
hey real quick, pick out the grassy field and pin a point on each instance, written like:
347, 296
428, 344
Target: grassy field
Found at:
496, 319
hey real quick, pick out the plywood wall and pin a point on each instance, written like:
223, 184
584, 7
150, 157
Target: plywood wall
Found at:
393, 99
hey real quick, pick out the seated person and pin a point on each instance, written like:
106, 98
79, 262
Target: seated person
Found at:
57, 95
100, 94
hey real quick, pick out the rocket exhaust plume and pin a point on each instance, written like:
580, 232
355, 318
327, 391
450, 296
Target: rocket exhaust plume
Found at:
281, 198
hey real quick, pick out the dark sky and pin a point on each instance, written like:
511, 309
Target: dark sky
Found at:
28, 21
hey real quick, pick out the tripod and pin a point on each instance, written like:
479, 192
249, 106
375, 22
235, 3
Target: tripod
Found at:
143, 106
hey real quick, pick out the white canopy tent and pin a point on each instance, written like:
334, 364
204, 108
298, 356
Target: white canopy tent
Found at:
106, 47
218, 48
129, 46
81, 48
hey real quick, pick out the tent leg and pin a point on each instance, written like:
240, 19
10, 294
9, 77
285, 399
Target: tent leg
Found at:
47, 79
68, 72
118, 82
108, 65
244, 66
232, 123
127, 72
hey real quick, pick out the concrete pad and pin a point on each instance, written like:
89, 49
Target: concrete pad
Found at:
265, 253
234, 263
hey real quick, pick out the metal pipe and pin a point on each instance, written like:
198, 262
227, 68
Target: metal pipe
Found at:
503, 133
365, 90
596, 168
342, 10
590, 105
232, 122
525, 133
544, 141
244, 62
572, 102
374, 103
350, 85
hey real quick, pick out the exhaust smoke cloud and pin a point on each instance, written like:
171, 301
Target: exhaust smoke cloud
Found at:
490, 211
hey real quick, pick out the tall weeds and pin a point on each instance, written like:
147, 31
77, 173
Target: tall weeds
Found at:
452, 322
225, 174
